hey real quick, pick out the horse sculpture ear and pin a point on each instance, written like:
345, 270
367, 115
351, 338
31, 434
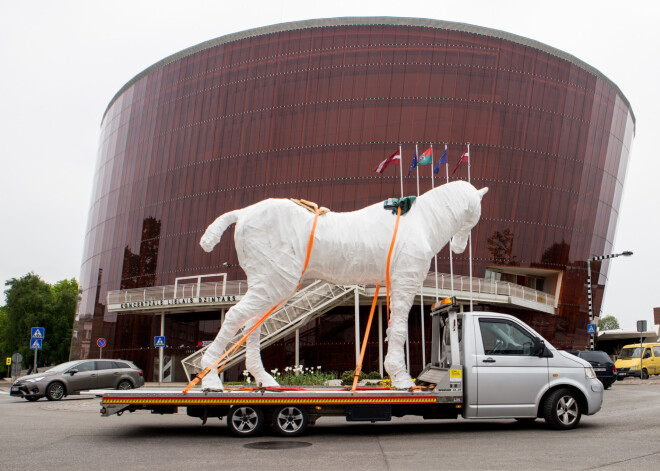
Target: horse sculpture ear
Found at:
482, 192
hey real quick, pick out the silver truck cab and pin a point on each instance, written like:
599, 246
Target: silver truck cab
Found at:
506, 370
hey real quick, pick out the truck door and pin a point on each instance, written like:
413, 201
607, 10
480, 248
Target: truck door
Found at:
509, 375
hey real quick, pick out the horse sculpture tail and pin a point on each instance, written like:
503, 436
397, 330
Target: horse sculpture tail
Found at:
214, 232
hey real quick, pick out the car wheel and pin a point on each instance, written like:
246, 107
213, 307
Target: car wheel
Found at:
245, 421
125, 384
31, 398
55, 391
645, 374
290, 421
561, 410
607, 386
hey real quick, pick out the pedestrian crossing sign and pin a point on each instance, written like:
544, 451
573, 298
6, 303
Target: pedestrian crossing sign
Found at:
159, 341
38, 332
36, 344
591, 328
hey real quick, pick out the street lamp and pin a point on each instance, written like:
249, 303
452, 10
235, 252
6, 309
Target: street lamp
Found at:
627, 253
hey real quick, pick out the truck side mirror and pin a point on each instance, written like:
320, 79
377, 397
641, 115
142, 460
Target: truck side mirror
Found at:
539, 347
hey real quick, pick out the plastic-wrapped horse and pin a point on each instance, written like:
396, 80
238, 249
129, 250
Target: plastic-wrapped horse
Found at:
271, 240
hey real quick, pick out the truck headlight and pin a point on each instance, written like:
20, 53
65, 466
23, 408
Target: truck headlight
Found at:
636, 367
589, 372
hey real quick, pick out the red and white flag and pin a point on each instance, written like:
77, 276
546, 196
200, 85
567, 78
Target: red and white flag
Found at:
464, 158
396, 157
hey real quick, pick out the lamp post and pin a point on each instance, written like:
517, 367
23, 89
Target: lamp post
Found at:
590, 299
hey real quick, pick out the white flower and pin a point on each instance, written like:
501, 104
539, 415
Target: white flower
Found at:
318, 367
249, 380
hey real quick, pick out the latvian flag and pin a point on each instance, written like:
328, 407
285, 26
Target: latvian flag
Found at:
396, 157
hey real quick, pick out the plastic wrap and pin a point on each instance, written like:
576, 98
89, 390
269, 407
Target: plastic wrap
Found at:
271, 240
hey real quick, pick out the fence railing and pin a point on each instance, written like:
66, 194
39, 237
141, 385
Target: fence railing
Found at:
238, 288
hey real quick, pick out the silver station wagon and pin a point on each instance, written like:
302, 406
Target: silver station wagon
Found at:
80, 375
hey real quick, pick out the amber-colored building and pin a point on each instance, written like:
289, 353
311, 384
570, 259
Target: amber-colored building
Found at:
307, 110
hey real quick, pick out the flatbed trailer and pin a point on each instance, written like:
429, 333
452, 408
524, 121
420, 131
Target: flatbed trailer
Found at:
289, 410
483, 365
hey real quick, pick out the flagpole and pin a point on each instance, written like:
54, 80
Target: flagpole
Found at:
451, 264
470, 237
436, 255
401, 169
421, 293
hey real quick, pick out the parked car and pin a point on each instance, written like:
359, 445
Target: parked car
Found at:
74, 376
602, 364
629, 364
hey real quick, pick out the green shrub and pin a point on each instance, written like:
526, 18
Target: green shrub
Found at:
347, 377
374, 375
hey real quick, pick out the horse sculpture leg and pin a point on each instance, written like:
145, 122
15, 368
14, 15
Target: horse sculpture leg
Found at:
253, 358
395, 364
252, 304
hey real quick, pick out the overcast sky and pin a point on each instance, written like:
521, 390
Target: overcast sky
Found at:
61, 62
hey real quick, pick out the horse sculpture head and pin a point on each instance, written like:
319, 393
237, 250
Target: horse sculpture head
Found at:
471, 218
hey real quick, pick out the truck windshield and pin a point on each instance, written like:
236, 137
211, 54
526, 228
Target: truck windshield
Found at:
628, 353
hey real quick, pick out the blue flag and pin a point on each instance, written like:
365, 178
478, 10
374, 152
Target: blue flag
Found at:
413, 164
443, 160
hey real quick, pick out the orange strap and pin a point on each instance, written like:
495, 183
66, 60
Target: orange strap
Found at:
227, 354
389, 256
358, 368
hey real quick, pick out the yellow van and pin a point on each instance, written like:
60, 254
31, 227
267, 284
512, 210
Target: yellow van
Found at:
629, 364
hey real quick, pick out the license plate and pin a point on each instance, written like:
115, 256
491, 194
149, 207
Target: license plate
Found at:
600, 369
15, 389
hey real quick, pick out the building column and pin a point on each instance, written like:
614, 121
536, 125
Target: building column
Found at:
357, 326
160, 350
380, 339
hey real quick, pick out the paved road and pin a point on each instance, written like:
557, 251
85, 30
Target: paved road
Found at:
70, 434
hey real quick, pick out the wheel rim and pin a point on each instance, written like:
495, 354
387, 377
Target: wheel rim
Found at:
56, 391
245, 419
567, 410
124, 385
290, 419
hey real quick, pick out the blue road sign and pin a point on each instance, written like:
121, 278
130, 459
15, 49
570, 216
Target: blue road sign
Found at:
591, 328
36, 344
159, 341
100, 342
38, 332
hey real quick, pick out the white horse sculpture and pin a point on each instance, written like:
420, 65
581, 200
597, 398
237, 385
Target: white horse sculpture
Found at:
271, 240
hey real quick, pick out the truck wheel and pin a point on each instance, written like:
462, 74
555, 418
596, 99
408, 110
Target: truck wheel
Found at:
245, 421
55, 391
561, 410
644, 374
290, 421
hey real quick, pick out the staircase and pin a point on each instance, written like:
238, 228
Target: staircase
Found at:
304, 306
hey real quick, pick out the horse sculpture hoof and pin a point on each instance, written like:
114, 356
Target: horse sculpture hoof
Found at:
402, 381
266, 381
211, 382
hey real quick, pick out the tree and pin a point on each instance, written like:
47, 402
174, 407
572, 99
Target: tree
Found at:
31, 302
609, 323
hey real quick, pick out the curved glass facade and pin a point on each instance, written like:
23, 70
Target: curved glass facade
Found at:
308, 110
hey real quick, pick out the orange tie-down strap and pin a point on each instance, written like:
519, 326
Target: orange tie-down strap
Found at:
358, 367
228, 353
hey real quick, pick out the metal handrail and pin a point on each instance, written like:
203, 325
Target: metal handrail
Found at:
239, 287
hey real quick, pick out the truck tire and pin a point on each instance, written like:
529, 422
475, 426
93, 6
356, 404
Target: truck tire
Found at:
245, 421
644, 374
561, 410
290, 421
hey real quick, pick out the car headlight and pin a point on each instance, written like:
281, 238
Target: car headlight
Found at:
636, 367
34, 380
589, 372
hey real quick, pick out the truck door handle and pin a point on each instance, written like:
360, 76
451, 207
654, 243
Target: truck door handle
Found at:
488, 360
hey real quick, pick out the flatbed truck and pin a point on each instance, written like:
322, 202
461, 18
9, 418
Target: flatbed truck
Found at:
483, 366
